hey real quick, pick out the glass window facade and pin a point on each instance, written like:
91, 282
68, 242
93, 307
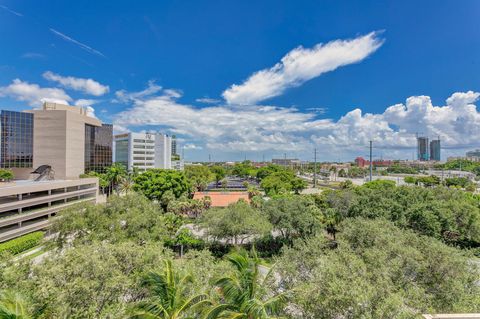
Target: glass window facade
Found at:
121, 152
98, 147
16, 143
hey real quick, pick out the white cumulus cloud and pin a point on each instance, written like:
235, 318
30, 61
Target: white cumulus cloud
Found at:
33, 94
88, 86
300, 65
261, 128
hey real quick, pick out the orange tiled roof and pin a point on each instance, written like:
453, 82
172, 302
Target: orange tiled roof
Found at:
222, 199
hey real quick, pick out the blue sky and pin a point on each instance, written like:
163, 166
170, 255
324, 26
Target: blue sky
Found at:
212, 72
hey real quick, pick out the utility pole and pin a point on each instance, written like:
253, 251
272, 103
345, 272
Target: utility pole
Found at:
371, 164
315, 168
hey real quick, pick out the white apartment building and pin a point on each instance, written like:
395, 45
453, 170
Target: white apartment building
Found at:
143, 150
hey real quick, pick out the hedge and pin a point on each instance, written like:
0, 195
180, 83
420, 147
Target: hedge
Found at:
21, 244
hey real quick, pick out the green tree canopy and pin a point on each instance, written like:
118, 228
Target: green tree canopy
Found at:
293, 217
199, 176
154, 183
235, 223
130, 217
377, 270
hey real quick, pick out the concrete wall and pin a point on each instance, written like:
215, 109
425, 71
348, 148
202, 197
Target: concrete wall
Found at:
59, 140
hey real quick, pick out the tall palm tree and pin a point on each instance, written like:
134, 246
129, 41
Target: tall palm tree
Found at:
169, 298
126, 184
331, 219
14, 306
245, 292
114, 174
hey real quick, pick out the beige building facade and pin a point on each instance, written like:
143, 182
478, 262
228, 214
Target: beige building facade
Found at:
59, 139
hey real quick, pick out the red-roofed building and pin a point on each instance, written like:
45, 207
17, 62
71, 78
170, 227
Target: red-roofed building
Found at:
222, 199
361, 162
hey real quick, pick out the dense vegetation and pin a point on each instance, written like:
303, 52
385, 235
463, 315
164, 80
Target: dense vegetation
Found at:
375, 251
21, 244
463, 165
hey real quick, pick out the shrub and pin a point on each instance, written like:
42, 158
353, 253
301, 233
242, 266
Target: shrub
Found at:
21, 244
6, 175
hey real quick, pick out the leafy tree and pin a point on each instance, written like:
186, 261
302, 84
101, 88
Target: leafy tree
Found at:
451, 215
244, 169
130, 217
89, 281
293, 217
224, 183
400, 169
457, 181
184, 239
168, 296
6, 175
298, 185
235, 223
410, 180
219, 173
268, 170
282, 182
153, 183
377, 270
199, 176
246, 293
276, 184
429, 181
189, 207
347, 184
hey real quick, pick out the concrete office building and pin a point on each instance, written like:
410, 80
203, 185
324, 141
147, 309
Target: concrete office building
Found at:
473, 154
435, 150
143, 150
47, 150
70, 141
423, 153
174, 146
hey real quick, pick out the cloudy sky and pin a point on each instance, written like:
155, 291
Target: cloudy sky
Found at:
255, 79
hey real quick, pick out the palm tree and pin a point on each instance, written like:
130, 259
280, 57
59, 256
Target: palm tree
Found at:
13, 306
245, 293
126, 184
331, 220
169, 298
114, 174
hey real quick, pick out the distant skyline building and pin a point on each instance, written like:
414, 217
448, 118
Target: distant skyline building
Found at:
143, 150
286, 161
174, 145
435, 150
423, 148
475, 153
